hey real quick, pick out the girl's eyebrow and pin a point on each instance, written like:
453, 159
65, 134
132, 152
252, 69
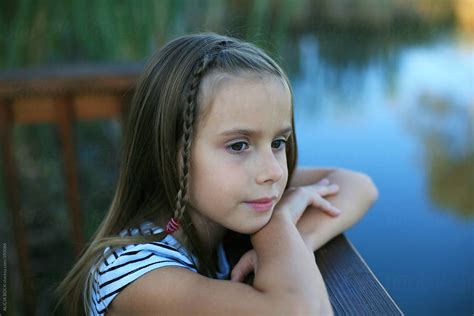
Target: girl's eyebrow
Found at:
249, 132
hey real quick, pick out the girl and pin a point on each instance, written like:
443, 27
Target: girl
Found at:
210, 147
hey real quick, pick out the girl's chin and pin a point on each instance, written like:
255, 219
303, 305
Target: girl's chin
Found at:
251, 229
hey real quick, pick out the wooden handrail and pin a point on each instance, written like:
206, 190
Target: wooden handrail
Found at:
59, 95
352, 287
68, 79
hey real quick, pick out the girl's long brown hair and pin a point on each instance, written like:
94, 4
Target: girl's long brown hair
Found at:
159, 129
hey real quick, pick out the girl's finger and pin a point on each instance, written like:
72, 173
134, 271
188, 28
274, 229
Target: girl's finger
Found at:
294, 202
324, 181
244, 266
325, 206
326, 190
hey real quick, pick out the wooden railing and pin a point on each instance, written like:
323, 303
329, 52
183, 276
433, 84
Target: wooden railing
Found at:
60, 96
63, 95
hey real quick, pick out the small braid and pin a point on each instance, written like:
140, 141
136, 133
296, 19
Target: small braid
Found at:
189, 114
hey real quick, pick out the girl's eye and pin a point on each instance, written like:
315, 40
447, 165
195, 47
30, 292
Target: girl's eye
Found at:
279, 144
238, 147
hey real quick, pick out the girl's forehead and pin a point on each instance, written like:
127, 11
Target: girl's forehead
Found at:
244, 101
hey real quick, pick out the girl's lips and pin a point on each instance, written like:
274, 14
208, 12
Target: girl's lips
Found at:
263, 200
261, 205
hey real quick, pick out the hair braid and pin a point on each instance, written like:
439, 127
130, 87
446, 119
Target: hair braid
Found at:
189, 114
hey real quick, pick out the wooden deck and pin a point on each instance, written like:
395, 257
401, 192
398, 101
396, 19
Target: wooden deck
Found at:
63, 95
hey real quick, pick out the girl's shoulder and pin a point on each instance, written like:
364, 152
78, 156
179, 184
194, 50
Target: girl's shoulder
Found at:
126, 264
168, 250
169, 247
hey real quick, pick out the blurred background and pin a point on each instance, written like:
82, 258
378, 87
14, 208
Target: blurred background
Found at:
385, 87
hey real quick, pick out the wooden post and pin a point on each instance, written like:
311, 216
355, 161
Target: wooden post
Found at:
14, 204
65, 117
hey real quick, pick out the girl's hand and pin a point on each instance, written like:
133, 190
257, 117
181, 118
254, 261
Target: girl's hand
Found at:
247, 263
325, 188
314, 195
295, 200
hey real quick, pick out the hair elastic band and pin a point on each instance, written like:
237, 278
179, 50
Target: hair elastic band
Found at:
172, 226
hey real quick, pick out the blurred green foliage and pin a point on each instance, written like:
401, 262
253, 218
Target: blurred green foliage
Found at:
52, 32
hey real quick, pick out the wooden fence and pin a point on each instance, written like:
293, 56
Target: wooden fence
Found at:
63, 95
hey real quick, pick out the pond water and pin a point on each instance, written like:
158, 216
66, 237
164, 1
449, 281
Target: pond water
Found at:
407, 121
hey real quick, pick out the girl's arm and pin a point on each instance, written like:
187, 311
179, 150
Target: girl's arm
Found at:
316, 226
356, 194
287, 281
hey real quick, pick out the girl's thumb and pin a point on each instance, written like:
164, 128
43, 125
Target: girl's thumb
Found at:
243, 267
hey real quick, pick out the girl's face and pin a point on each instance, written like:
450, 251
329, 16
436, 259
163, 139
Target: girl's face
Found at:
238, 153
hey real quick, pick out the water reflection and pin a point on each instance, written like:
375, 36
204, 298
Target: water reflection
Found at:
409, 124
429, 87
436, 94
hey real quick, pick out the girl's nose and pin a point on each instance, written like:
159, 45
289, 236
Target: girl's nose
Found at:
269, 169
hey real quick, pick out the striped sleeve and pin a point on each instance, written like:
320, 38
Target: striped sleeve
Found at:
129, 263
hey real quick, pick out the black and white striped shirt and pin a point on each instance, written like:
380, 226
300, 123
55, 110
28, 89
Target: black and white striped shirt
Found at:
128, 263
